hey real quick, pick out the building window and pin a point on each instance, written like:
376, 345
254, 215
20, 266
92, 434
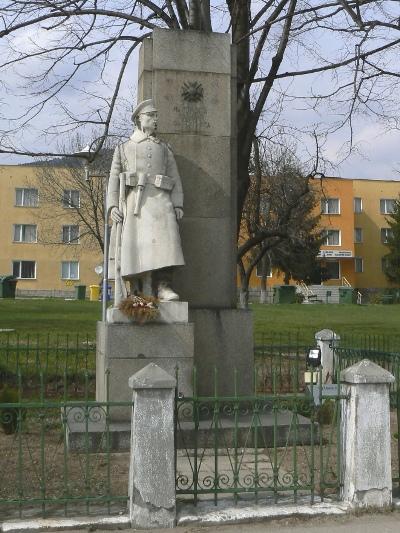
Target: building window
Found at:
71, 198
386, 234
358, 264
24, 269
25, 233
70, 234
332, 237
332, 269
330, 206
357, 205
70, 270
26, 197
260, 270
387, 206
358, 235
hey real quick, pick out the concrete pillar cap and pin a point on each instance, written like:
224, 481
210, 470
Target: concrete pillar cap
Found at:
326, 335
152, 377
366, 371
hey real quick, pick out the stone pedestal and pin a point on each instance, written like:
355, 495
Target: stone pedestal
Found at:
124, 349
366, 452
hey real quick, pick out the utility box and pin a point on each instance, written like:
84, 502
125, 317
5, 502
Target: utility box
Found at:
8, 285
345, 295
80, 292
284, 294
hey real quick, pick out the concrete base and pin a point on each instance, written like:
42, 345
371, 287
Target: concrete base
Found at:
223, 341
119, 434
124, 349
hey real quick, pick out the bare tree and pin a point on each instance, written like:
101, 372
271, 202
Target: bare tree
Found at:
279, 223
74, 196
64, 51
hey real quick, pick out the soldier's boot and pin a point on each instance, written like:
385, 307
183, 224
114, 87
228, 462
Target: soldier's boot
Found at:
165, 293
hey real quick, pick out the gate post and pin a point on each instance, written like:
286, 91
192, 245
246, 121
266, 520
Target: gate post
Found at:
365, 439
152, 502
327, 340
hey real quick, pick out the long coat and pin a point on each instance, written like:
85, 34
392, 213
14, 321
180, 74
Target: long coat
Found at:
150, 240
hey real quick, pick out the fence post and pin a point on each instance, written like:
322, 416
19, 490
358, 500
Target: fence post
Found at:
326, 340
152, 501
365, 439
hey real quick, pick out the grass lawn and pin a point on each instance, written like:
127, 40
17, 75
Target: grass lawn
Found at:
50, 315
347, 320
59, 316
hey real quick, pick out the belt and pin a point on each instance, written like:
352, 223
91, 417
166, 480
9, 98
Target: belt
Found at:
158, 180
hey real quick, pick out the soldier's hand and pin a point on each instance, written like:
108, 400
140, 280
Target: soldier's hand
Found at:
178, 213
116, 215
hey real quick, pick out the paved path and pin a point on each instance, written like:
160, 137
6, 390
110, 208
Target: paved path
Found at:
367, 523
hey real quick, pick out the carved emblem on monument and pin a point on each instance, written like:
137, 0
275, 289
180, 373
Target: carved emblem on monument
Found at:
193, 112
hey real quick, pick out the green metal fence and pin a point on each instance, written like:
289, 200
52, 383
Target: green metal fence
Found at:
56, 454
266, 445
52, 356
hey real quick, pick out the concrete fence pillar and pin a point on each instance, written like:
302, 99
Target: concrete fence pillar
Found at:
366, 456
326, 339
152, 501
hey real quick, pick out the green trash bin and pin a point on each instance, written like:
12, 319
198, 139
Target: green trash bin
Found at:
80, 292
8, 285
345, 295
284, 294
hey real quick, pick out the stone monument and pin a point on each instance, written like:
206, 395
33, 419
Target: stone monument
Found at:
188, 77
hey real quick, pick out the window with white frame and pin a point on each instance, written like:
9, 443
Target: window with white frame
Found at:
70, 234
71, 198
25, 233
386, 234
332, 237
24, 269
358, 205
358, 235
26, 197
70, 270
330, 206
358, 264
387, 205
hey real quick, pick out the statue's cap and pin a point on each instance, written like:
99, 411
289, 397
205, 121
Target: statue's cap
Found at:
147, 106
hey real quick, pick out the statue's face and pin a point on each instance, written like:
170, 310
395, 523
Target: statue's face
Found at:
148, 122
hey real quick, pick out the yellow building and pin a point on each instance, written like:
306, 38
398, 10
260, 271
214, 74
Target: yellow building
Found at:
353, 213
41, 243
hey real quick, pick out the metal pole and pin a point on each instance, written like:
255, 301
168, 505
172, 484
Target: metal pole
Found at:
105, 258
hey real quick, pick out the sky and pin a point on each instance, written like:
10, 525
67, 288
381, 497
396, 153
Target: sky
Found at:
377, 155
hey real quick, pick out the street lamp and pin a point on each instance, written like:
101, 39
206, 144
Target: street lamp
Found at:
87, 155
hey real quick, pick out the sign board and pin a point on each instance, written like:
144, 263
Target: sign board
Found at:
327, 390
335, 253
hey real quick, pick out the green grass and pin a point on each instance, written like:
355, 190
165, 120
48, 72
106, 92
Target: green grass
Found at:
347, 320
53, 316
50, 316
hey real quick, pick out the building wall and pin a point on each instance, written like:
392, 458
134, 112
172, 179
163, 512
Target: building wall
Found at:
371, 221
48, 257
371, 250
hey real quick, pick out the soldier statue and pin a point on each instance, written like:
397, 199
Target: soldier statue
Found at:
145, 201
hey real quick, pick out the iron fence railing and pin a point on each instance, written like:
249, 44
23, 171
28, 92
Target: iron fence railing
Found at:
276, 444
52, 356
56, 454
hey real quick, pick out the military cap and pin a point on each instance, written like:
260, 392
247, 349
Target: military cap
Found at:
147, 106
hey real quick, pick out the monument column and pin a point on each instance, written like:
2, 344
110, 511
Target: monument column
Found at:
191, 76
